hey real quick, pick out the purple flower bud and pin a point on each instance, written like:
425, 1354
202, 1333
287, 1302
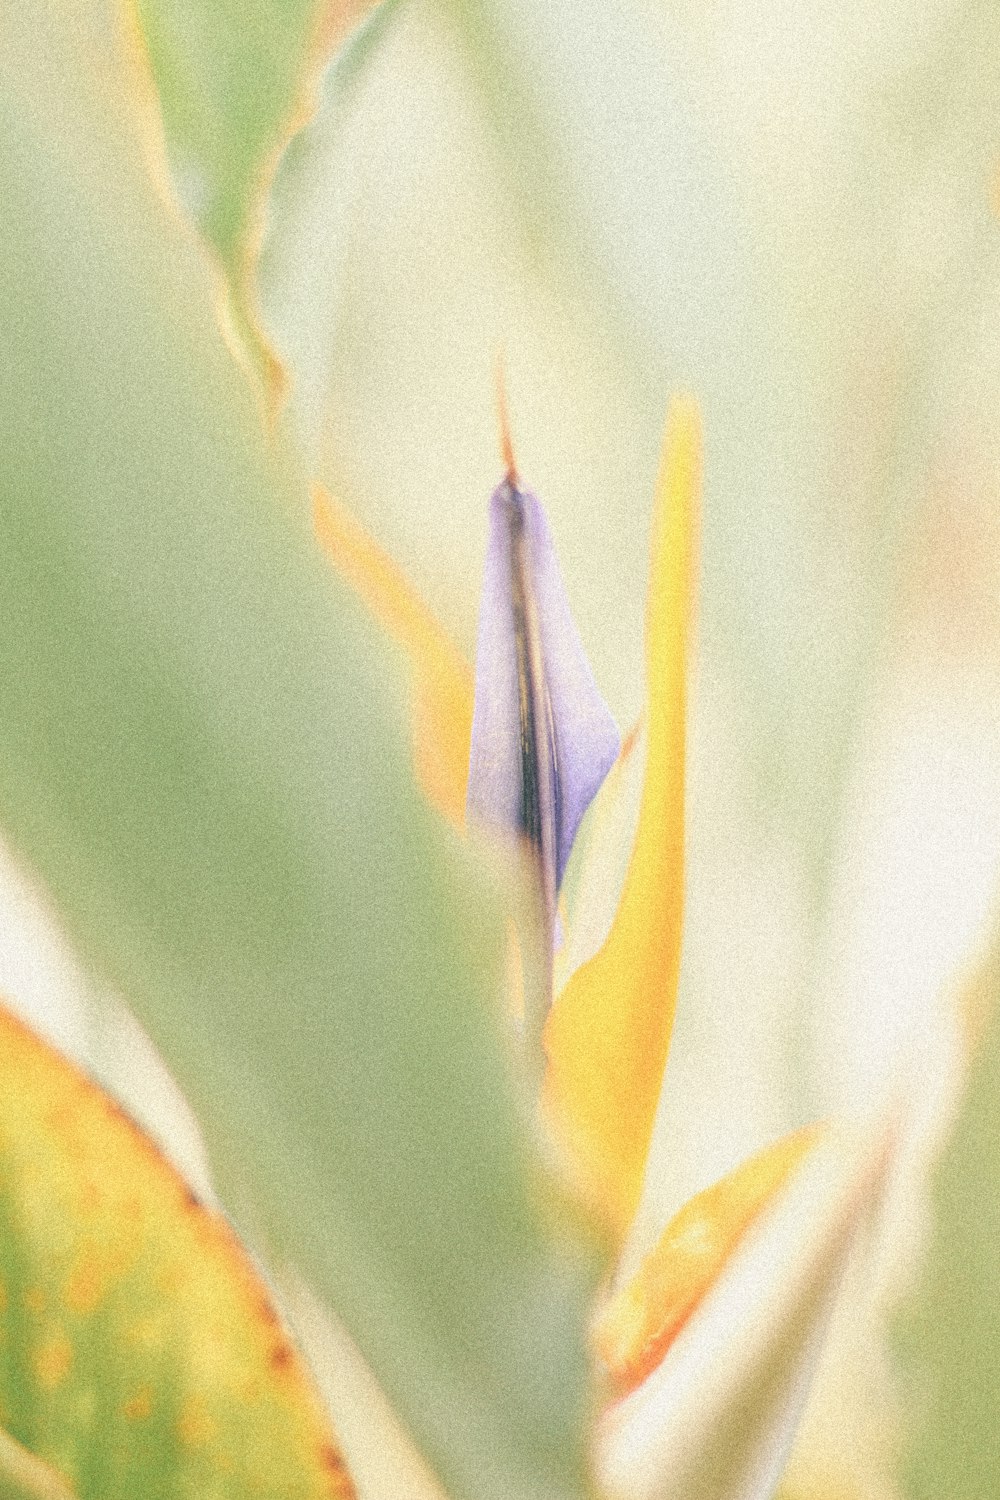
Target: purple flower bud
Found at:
543, 739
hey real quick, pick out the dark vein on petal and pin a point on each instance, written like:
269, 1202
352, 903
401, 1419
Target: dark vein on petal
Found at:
539, 781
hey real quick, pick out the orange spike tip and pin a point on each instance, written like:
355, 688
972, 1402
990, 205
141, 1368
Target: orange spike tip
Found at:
503, 422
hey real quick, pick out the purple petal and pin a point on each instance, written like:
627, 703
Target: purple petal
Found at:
543, 739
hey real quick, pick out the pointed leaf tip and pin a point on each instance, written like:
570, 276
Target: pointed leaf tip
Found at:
608, 1034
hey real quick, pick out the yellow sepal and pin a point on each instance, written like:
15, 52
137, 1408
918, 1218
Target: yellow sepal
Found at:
637, 1326
608, 1033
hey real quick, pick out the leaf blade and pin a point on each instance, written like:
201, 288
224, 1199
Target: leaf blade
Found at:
235, 82
946, 1333
189, 701
142, 1349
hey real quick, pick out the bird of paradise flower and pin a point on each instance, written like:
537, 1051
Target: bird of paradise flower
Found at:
523, 747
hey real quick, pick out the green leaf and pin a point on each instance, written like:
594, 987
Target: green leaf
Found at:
227, 75
142, 1353
948, 1335
203, 756
234, 78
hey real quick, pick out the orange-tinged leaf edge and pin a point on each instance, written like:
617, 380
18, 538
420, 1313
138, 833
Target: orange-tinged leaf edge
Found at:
108, 1229
442, 679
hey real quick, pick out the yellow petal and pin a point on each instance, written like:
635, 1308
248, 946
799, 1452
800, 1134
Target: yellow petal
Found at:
130, 1315
442, 678
608, 1033
638, 1325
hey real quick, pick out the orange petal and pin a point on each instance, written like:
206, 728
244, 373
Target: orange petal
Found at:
608, 1033
638, 1325
442, 678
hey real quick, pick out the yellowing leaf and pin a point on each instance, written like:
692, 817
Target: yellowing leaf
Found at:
638, 1324
140, 1353
442, 678
608, 1033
